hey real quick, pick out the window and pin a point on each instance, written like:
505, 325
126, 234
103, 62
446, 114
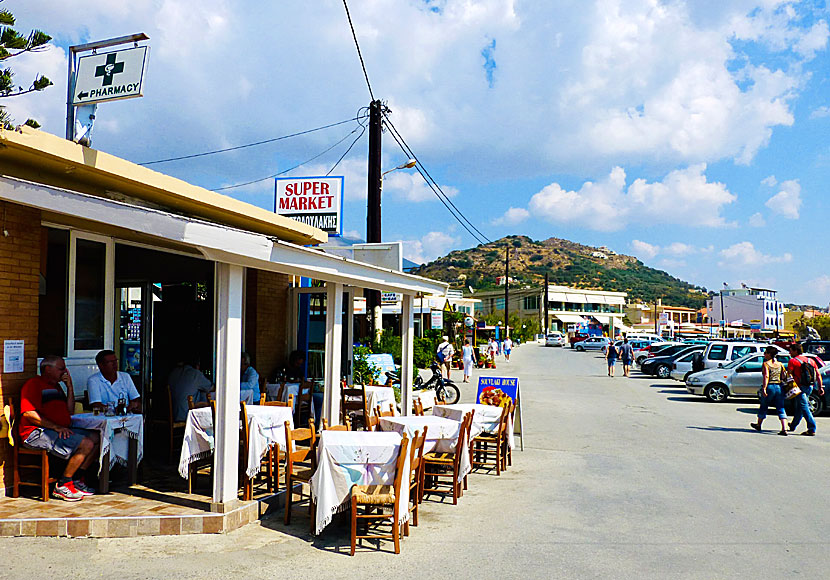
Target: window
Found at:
531, 303
51, 336
499, 303
90, 267
717, 352
740, 351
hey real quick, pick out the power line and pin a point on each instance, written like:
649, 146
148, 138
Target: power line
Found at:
357, 46
358, 119
356, 139
436, 188
290, 168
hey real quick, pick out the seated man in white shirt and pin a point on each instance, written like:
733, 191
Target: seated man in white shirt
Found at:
249, 382
110, 384
187, 380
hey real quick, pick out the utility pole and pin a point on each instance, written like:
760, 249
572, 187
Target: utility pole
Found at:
506, 291
373, 230
545, 298
722, 316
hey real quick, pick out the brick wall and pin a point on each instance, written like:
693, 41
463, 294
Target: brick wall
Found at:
266, 320
19, 282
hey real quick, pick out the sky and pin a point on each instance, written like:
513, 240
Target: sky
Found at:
693, 135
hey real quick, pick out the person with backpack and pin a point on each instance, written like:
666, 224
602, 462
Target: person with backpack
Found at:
444, 354
804, 373
611, 357
627, 355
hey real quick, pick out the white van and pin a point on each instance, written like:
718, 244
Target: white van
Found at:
644, 336
720, 352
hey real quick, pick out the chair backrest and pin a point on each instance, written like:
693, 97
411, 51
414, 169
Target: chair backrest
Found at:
289, 403
399, 468
381, 413
352, 399
418, 408
417, 453
295, 453
437, 402
244, 432
346, 427
372, 422
191, 404
213, 411
14, 421
281, 392
463, 434
262, 398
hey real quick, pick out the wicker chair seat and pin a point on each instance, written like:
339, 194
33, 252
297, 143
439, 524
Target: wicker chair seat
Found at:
374, 494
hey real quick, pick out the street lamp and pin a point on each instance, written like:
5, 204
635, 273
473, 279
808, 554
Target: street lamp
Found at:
408, 165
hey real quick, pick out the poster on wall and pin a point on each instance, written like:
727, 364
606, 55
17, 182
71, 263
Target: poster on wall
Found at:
315, 201
12, 356
437, 319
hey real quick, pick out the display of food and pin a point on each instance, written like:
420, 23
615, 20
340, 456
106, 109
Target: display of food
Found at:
495, 397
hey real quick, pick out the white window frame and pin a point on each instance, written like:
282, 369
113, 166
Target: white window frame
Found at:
109, 293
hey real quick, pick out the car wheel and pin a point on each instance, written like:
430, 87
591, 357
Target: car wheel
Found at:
580, 348
717, 393
816, 403
663, 371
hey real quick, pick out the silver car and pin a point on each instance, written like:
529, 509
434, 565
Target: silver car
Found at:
593, 343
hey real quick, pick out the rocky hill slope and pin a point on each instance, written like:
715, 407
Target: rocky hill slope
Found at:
567, 263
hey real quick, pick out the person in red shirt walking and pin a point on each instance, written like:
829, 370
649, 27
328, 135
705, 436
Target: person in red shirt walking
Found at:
46, 413
802, 402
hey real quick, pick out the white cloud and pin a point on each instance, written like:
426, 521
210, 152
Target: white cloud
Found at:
410, 186
429, 247
352, 235
770, 181
680, 249
820, 112
786, 202
745, 254
756, 220
513, 216
683, 197
644, 249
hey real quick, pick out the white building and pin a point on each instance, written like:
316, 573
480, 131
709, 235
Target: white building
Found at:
758, 308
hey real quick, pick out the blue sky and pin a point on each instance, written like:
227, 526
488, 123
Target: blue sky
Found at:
693, 135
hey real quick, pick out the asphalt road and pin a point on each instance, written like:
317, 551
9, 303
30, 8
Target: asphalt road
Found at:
619, 478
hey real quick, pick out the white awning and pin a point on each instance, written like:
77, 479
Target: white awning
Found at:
603, 318
557, 297
614, 300
570, 318
576, 298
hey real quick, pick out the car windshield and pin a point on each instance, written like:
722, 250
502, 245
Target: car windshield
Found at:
739, 361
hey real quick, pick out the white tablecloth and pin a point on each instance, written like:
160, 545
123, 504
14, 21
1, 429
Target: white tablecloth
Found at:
382, 396
266, 425
115, 434
347, 458
485, 419
442, 435
273, 389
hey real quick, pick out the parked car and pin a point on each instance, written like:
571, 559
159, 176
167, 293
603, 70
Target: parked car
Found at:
635, 343
738, 378
577, 338
820, 348
661, 366
593, 343
556, 339
721, 352
682, 365
653, 350
540, 339
645, 336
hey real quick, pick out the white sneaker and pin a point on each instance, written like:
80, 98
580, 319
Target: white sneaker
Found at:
67, 492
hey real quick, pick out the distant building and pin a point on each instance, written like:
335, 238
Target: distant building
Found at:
757, 308
599, 255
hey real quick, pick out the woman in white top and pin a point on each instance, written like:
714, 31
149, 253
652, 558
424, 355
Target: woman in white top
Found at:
467, 357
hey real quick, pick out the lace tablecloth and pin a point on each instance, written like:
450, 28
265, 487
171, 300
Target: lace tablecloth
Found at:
383, 396
442, 435
266, 425
347, 458
485, 419
115, 433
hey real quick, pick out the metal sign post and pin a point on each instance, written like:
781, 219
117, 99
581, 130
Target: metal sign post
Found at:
101, 77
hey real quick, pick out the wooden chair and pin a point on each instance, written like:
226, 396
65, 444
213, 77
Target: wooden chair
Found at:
201, 466
353, 405
418, 407
21, 457
372, 423
304, 401
191, 404
438, 466
288, 403
488, 449
174, 429
300, 463
281, 392
346, 427
437, 402
262, 398
376, 497
416, 476
389, 413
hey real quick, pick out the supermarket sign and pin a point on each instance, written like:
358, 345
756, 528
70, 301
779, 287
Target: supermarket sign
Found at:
315, 201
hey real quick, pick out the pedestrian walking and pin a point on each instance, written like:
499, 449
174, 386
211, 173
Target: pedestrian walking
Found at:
804, 373
627, 356
611, 357
772, 390
492, 349
467, 357
444, 354
507, 346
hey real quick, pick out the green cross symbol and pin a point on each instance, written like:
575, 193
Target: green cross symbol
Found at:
109, 69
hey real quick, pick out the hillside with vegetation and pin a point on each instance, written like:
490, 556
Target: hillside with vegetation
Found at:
567, 264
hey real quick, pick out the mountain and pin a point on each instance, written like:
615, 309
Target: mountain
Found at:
567, 263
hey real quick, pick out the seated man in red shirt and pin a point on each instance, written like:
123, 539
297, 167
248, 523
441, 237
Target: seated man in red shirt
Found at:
44, 424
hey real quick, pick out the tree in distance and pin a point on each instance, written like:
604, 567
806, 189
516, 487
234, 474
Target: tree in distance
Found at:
13, 44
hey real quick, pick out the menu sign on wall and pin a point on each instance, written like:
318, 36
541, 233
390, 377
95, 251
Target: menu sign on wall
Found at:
315, 201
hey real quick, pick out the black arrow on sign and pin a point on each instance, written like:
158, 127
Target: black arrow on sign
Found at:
83, 95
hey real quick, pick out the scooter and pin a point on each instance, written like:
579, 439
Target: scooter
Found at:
446, 391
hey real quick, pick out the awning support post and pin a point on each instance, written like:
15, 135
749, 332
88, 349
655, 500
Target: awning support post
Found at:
334, 345
228, 307
407, 350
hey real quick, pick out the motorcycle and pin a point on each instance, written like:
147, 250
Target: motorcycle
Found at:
446, 391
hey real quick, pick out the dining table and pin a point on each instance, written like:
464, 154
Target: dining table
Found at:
380, 395
266, 426
122, 443
347, 458
442, 435
486, 418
